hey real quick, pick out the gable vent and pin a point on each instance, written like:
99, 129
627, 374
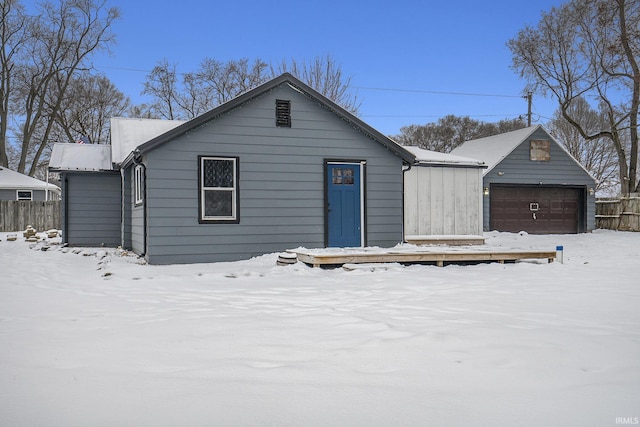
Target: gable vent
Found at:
283, 113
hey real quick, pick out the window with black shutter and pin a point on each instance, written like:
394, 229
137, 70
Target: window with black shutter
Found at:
283, 113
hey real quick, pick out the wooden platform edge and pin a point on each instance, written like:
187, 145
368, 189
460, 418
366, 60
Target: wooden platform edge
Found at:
436, 240
317, 260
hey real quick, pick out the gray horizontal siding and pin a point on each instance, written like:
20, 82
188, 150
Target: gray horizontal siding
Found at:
91, 209
561, 170
137, 230
7, 194
136, 221
36, 195
281, 183
127, 194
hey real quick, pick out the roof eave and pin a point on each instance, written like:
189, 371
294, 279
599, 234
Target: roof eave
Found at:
451, 164
393, 146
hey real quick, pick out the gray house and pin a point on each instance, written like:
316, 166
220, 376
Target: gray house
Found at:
278, 167
17, 186
532, 184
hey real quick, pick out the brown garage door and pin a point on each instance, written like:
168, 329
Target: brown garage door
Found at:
536, 210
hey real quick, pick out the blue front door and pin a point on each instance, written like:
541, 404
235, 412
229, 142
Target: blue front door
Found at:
344, 204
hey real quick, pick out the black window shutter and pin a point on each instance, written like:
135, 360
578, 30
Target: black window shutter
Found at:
283, 113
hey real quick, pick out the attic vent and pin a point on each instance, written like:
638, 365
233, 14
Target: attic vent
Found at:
283, 113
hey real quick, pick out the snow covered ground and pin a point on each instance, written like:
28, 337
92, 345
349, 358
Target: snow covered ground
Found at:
96, 339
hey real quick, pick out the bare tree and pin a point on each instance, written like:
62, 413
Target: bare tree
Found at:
450, 131
58, 44
162, 85
596, 155
89, 103
185, 96
222, 82
324, 75
142, 111
13, 37
590, 48
188, 95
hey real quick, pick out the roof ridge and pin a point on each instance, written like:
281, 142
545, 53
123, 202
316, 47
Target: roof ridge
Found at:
251, 94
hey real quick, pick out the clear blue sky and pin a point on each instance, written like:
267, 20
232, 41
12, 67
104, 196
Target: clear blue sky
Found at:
429, 46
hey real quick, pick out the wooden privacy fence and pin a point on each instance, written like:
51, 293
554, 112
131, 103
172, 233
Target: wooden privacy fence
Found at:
621, 213
16, 215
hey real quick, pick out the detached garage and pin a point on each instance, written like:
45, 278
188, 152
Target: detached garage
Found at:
532, 184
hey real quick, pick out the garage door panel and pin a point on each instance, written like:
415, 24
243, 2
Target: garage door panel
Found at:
536, 210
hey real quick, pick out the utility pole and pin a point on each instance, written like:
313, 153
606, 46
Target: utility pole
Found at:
529, 97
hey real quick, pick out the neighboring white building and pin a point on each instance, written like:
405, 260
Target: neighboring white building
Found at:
17, 186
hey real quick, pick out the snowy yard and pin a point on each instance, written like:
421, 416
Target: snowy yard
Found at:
86, 341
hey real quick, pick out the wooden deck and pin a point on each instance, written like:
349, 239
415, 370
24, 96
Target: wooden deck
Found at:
436, 255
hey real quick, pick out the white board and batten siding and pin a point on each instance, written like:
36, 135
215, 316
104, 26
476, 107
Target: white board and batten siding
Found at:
442, 195
443, 201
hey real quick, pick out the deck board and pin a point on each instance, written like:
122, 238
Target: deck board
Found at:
439, 256
445, 240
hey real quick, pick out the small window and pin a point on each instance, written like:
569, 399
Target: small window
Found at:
24, 195
540, 151
138, 193
342, 176
283, 113
218, 189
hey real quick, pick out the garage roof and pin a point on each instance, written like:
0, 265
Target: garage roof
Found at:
493, 149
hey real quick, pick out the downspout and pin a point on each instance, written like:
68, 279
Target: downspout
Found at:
137, 162
122, 208
66, 209
404, 171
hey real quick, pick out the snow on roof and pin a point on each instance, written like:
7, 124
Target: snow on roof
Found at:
128, 133
435, 158
493, 149
80, 157
15, 180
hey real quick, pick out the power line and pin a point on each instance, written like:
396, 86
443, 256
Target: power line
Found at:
386, 89
439, 115
435, 92
137, 70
